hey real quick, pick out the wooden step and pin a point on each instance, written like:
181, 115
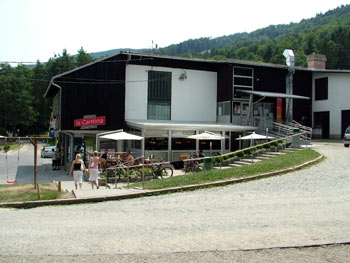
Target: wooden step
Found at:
236, 165
274, 153
251, 160
242, 162
263, 157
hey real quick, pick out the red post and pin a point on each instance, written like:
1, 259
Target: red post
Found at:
35, 161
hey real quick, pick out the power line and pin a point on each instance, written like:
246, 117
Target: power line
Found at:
92, 81
108, 61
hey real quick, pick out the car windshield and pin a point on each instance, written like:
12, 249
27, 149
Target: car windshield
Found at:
347, 131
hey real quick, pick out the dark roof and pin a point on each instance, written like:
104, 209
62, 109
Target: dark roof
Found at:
226, 61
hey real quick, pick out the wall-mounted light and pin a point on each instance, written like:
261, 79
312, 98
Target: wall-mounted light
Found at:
183, 76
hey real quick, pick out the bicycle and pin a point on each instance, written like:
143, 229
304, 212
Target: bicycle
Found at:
192, 165
159, 170
120, 170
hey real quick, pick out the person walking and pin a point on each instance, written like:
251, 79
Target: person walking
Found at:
58, 160
93, 170
54, 160
78, 168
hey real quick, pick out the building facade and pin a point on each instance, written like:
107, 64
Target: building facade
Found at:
165, 99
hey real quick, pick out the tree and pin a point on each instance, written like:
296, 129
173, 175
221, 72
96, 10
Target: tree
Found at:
83, 58
16, 108
60, 63
42, 105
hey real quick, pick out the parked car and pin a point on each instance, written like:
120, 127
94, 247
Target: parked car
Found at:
47, 152
347, 137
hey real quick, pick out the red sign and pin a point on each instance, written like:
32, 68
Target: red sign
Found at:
90, 121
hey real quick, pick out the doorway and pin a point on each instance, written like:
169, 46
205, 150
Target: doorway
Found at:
321, 120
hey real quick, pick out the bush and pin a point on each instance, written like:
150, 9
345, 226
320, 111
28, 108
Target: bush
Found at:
218, 159
266, 146
247, 151
240, 154
6, 148
232, 155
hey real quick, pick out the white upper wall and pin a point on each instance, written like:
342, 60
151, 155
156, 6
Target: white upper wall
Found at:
192, 99
338, 98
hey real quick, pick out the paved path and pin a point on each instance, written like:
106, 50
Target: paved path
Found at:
20, 166
301, 208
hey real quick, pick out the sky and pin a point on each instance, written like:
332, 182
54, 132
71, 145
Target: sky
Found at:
32, 30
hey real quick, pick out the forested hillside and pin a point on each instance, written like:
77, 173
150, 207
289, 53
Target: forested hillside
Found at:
327, 33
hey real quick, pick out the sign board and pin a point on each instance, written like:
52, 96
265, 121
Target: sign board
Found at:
91, 122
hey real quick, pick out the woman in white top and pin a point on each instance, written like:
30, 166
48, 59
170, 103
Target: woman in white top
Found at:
79, 167
93, 170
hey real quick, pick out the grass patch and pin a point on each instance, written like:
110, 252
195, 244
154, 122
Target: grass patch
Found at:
26, 192
12, 145
274, 164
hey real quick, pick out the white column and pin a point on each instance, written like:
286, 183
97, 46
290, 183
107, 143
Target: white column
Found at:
143, 143
170, 158
197, 143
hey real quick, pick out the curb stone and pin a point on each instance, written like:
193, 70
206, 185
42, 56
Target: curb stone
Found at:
32, 204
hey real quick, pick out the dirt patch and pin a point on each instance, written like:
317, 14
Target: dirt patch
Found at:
67, 195
22, 192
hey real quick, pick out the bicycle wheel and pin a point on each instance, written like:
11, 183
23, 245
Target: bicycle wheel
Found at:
135, 174
166, 172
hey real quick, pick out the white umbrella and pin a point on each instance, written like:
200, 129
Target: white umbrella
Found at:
206, 136
255, 136
121, 136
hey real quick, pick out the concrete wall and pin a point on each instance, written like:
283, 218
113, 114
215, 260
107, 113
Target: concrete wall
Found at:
338, 99
192, 99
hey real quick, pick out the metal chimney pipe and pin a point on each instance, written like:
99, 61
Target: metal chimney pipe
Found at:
289, 55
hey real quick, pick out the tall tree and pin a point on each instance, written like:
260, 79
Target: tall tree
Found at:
16, 96
83, 57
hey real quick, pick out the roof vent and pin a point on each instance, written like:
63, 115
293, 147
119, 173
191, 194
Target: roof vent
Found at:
289, 55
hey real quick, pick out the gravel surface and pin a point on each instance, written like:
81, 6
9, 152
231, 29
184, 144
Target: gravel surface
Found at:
311, 206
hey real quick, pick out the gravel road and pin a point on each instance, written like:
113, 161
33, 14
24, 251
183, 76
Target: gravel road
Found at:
311, 206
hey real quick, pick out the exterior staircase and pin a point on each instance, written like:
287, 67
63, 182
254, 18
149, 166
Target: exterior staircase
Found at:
265, 156
283, 130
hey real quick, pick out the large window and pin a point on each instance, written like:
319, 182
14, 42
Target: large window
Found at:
224, 108
321, 89
242, 80
159, 95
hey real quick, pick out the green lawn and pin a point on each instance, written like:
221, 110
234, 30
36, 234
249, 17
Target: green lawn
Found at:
276, 163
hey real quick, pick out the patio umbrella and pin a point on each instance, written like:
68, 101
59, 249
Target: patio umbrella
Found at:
206, 136
255, 136
121, 136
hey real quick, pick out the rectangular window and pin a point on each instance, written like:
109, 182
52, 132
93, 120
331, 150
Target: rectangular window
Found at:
321, 89
159, 95
224, 108
242, 80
